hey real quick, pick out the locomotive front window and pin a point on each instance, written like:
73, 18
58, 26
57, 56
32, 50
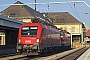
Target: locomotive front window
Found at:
29, 31
61, 34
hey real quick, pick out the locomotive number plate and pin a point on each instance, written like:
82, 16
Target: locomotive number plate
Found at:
27, 41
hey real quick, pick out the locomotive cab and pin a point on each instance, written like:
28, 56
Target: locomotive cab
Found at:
65, 38
29, 39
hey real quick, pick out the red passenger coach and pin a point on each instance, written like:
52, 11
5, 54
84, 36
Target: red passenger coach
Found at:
35, 38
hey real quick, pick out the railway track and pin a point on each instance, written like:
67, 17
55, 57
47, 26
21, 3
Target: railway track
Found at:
19, 56
64, 55
74, 55
67, 55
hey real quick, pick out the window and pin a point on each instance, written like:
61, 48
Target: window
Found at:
12, 15
2, 38
62, 18
73, 29
61, 34
29, 31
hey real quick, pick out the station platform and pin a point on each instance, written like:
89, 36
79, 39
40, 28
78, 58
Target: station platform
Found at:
85, 56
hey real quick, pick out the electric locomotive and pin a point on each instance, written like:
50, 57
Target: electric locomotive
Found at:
65, 39
36, 38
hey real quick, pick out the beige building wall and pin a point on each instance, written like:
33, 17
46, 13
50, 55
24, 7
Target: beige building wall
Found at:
26, 20
77, 28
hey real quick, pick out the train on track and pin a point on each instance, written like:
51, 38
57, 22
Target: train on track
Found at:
36, 38
65, 39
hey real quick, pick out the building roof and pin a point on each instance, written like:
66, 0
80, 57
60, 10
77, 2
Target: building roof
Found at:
20, 11
62, 18
18, 2
88, 32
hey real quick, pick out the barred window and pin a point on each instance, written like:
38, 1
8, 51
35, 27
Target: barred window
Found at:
73, 28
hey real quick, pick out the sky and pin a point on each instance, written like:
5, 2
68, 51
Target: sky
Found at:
78, 10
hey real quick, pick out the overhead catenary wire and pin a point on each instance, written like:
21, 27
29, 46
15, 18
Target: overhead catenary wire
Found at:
40, 3
77, 12
73, 9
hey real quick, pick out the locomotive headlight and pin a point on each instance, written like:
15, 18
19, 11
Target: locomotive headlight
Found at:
37, 40
61, 36
19, 40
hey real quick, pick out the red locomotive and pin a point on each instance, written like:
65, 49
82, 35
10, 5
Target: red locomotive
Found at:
35, 38
65, 39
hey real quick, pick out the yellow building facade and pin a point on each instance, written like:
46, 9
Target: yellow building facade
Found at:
71, 28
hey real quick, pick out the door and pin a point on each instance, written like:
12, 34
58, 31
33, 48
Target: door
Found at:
76, 40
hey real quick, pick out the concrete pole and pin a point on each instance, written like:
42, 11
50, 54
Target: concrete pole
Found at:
35, 5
